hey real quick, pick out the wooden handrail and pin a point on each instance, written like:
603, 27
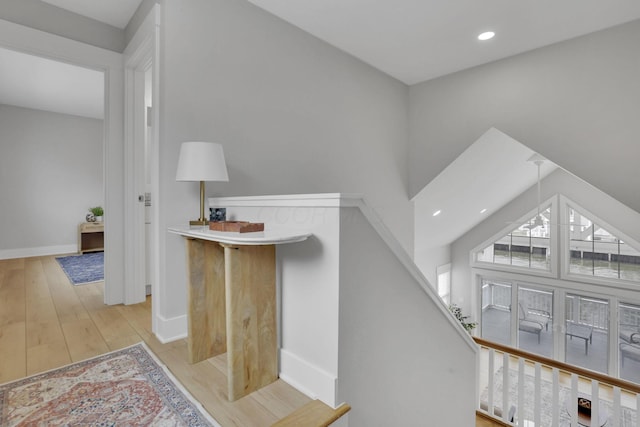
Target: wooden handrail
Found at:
587, 373
313, 414
494, 421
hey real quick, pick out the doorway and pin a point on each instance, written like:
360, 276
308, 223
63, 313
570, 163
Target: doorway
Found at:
52, 145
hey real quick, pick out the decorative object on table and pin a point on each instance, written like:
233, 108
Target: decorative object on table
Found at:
97, 212
125, 387
457, 312
201, 161
217, 214
83, 269
90, 217
584, 406
237, 226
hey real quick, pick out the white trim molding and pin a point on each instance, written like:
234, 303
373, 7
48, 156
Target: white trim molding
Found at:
40, 251
172, 329
305, 377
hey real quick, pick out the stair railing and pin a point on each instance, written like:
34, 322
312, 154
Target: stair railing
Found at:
524, 389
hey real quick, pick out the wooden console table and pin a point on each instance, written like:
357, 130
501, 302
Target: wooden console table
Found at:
232, 302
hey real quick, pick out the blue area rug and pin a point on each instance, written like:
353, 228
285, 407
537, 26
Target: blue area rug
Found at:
83, 269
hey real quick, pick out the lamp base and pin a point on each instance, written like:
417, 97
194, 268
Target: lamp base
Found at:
199, 222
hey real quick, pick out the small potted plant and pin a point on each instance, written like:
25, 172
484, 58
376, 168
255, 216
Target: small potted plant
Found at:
97, 212
457, 312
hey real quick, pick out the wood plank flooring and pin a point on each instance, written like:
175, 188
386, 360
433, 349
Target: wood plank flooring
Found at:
46, 323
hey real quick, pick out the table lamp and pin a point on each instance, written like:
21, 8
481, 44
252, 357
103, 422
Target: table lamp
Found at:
201, 161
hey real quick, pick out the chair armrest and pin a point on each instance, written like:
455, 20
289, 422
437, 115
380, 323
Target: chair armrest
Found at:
540, 312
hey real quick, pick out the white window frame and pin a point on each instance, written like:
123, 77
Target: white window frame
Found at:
565, 245
553, 244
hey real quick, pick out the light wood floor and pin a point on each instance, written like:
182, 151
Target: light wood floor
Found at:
45, 323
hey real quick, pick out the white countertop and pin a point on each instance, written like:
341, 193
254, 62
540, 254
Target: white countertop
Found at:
267, 237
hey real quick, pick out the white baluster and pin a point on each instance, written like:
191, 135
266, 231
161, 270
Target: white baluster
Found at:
555, 397
490, 386
617, 409
520, 408
537, 407
505, 386
573, 405
638, 410
595, 401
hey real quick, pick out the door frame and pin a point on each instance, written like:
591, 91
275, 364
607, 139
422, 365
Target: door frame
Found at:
141, 54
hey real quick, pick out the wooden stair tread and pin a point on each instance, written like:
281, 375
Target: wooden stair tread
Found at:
313, 414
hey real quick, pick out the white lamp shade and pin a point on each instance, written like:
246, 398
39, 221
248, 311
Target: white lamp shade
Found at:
201, 161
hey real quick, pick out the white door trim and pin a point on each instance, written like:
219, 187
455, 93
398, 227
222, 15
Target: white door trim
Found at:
141, 54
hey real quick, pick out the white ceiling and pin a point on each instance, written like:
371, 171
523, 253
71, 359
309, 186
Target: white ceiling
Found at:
417, 40
412, 40
487, 175
34, 82
113, 12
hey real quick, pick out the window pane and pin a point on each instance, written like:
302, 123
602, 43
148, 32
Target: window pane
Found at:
541, 242
535, 322
526, 246
629, 260
594, 251
496, 311
581, 244
605, 246
629, 342
587, 332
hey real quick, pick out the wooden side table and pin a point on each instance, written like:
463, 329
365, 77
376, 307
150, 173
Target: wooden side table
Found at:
232, 303
90, 237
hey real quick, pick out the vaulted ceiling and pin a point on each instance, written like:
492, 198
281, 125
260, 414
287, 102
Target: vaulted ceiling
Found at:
417, 40
411, 40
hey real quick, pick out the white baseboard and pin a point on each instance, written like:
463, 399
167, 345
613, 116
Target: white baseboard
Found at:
308, 378
171, 329
39, 251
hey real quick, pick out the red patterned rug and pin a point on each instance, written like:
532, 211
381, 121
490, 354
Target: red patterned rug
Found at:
127, 387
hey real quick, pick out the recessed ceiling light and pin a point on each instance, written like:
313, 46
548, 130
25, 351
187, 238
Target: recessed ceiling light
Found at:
436, 213
483, 210
486, 35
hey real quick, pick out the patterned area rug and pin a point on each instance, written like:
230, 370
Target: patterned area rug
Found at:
627, 415
83, 269
127, 387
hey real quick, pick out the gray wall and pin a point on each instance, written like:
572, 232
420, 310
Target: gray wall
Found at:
401, 362
50, 174
428, 260
294, 114
575, 103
